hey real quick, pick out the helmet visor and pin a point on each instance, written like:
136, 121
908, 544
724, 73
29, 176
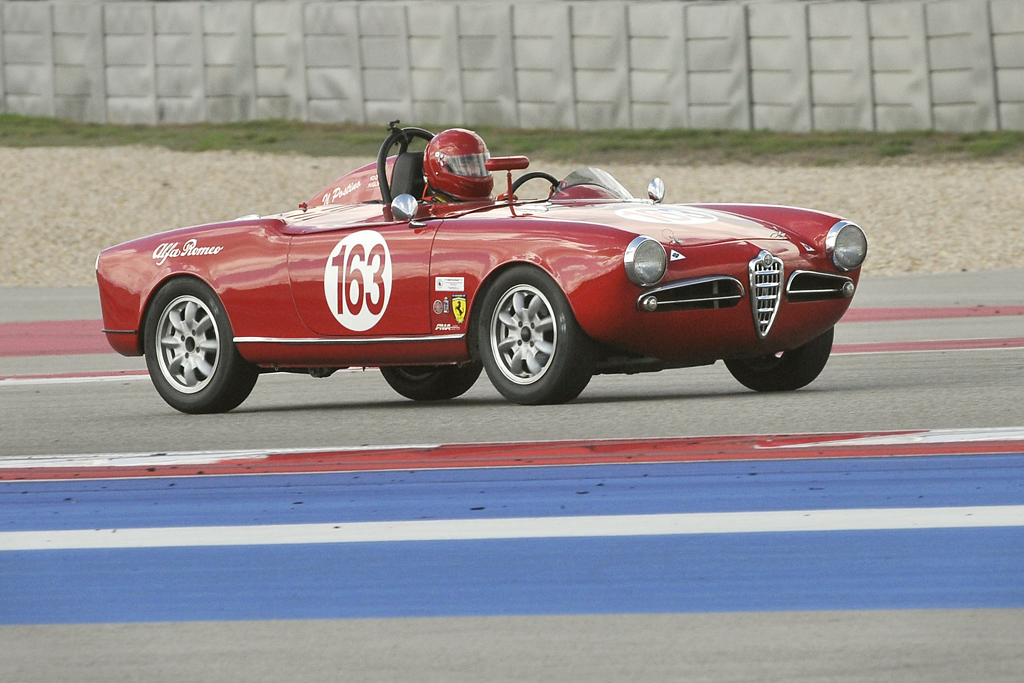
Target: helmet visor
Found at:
469, 165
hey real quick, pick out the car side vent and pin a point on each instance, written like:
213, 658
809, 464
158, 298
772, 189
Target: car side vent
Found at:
717, 291
805, 285
765, 290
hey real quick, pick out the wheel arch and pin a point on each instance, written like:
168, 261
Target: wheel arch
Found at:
155, 290
485, 286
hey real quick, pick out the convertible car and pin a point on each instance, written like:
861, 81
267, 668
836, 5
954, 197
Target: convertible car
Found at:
542, 294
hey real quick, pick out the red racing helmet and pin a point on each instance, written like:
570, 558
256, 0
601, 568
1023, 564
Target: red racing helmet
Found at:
454, 163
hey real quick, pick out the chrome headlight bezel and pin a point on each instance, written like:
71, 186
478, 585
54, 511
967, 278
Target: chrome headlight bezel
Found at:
845, 255
646, 261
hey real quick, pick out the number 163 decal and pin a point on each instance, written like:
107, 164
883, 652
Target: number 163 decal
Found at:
357, 280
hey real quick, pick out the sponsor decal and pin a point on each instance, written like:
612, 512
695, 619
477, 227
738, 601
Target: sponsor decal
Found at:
191, 248
675, 255
666, 215
449, 284
357, 280
459, 307
447, 327
446, 305
438, 307
340, 192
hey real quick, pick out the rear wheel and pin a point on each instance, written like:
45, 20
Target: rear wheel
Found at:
432, 382
533, 349
190, 350
785, 371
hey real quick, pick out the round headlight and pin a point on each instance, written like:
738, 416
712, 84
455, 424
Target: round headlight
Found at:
846, 245
645, 260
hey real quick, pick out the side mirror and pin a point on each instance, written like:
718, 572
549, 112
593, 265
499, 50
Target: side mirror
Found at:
507, 164
404, 206
656, 190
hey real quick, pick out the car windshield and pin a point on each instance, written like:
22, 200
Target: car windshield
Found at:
589, 175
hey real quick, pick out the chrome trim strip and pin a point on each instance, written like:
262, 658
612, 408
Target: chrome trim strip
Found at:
728, 297
322, 341
106, 331
695, 281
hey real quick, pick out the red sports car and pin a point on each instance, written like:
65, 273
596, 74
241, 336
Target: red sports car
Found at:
410, 265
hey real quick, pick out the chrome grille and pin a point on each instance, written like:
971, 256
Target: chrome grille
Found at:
765, 290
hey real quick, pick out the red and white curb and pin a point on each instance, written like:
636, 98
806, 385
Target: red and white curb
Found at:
907, 443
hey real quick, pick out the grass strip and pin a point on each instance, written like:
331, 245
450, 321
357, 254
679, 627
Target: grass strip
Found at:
684, 146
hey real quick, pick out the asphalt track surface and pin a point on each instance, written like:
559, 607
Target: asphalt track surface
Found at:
912, 567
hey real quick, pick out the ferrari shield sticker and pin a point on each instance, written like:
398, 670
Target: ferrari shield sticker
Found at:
459, 307
666, 215
357, 280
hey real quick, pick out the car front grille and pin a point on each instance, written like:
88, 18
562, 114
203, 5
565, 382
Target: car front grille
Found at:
716, 291
805, 285
765, 290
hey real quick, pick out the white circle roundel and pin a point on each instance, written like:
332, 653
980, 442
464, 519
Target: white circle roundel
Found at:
357, 280
666, 215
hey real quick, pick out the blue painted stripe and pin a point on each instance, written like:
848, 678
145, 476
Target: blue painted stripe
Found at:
744, 572
933, 481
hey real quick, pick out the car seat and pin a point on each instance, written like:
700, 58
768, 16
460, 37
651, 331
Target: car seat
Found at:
407, 176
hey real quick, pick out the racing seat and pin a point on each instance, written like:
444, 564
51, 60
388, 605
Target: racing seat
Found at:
407, 176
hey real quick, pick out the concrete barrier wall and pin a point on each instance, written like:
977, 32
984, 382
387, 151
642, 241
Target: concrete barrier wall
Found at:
794, 66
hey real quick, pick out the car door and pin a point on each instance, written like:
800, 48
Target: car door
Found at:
363, 280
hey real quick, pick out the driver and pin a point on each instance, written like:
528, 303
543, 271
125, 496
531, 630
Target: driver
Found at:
454, 165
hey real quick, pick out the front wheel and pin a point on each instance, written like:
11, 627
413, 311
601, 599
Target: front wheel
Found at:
190, 350
533, 349
432, 382
785, 371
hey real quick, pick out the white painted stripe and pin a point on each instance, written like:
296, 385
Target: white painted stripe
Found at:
523, 527
85, 379
930, 436
175, 457
42, 381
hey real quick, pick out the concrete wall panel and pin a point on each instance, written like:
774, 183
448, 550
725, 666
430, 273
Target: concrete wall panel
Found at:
840, 66
436, 65
779, 68
384, 46
544, 82
180, 62
960, 57
718, 61
658, 68
601, 60
901, 73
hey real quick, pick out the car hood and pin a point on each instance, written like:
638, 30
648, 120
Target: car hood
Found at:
675, 223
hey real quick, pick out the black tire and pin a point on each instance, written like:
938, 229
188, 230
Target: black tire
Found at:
190, 350
432, 382
787, 371
531, 346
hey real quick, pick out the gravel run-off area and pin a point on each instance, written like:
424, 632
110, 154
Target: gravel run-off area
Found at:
60, 206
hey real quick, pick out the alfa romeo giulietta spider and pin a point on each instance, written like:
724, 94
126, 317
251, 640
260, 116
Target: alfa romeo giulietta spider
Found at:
432, 283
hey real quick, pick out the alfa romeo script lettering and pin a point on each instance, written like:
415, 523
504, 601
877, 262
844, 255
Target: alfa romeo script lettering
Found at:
191, 248
357, 280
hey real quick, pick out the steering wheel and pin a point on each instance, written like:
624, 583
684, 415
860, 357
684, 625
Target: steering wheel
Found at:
397, 136
526, 177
